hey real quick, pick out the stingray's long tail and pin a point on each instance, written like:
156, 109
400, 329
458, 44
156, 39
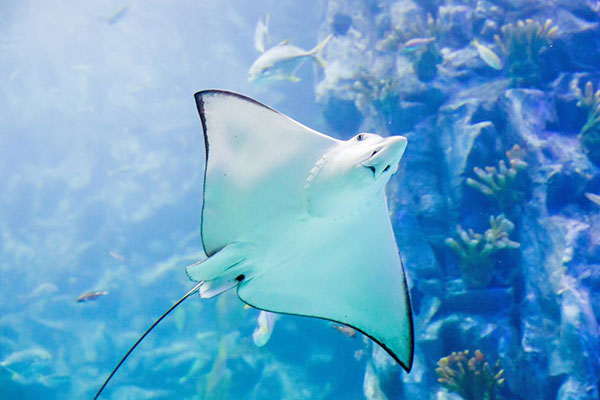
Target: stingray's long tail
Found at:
188, 294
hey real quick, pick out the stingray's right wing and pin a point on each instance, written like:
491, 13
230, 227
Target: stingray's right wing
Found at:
346, 270
257, 162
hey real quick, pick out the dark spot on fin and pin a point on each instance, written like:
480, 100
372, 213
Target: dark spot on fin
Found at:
240, 278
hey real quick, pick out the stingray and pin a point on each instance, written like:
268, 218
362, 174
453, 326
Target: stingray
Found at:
297, 222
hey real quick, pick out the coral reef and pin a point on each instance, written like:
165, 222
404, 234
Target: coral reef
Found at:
102, 160
590, 132
419, 44
406, 37
381, 65
379, 93
475, 250
472, 378
522, 43
499, 184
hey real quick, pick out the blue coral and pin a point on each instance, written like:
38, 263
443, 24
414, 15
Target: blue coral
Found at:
500, 184
590, 132
475, 250
523, 43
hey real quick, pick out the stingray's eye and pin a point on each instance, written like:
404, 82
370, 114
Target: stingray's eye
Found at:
360, 137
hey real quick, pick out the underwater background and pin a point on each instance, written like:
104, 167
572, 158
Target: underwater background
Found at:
495, 207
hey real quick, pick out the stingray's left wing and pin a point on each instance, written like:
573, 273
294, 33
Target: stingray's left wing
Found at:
346, 270
257, 161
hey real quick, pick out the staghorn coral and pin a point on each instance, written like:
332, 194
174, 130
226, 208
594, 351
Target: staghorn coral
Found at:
475, 250
590, 133
378, 93
522, 43
472, 378
499, 184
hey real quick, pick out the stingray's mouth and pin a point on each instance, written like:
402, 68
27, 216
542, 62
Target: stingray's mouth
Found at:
370, 166
376, 163
377, 172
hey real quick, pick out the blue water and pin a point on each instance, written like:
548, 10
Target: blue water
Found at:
101, 151
101, 170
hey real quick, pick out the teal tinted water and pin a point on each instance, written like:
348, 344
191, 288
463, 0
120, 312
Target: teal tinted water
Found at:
101, 164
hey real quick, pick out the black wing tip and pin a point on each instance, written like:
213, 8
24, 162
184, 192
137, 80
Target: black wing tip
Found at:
199, 96
410, 321
406, 366
224, 92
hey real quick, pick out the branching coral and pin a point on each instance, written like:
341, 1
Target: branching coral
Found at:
472, 378
379, 93
523, 43
499, 184
590, 133
475, 250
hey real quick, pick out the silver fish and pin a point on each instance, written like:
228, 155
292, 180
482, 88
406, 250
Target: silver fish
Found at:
93, 295
280, 62
116, 255
261, 34
488, 56
118, 15
417, 43
44, 289
345, 330
31, 355
594, 198
371, 386
264, 328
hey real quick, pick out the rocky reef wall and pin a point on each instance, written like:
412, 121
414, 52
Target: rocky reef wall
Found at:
494, 205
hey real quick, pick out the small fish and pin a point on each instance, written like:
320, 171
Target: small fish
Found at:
116, 255
261, 34
198, 364
219, 374
262, 333
371, 386
31, 355
488, 56
44, 289
416, 43
280, 63
594, 198
359, 354
93, 295
345, 330
118, 15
